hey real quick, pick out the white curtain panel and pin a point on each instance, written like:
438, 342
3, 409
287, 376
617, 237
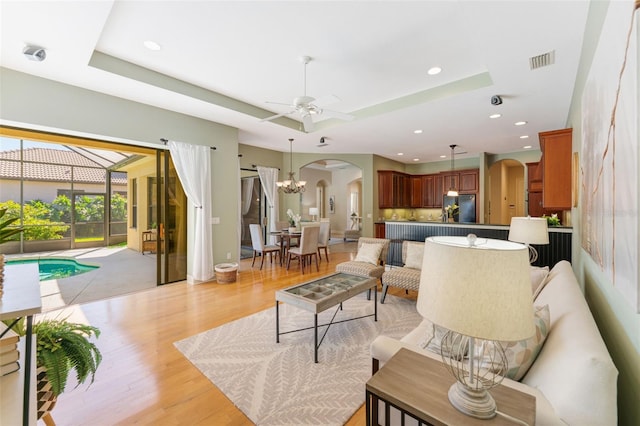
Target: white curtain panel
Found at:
193, 165
268, 178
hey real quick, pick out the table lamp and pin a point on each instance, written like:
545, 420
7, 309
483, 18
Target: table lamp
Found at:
529, 230
313, 212
480, 291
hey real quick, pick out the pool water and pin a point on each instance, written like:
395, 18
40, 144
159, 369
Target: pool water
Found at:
51, 269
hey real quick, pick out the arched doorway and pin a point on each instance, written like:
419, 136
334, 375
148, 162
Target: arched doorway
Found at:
506, 192
335, 188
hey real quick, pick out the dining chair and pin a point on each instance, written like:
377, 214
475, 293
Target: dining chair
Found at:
323, 239
258, 245
308, 248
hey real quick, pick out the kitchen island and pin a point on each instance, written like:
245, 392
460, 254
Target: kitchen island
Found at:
559, 247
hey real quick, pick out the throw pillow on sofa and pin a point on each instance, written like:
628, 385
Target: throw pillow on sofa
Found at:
432, 340
538, 279
522, 354
415, 253
369, 253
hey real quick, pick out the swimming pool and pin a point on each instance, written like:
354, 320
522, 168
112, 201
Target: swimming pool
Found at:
55, 268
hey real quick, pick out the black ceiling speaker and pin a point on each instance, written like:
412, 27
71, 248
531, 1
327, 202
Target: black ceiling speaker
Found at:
496, 100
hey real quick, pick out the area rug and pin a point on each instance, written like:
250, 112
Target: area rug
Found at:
279, 383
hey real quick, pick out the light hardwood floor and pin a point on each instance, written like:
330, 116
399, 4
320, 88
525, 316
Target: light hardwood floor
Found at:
143, 378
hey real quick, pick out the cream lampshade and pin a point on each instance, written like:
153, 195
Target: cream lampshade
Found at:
480, 290
313, 212
529, 230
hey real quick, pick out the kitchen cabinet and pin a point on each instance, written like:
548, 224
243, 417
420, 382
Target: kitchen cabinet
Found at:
465, 181
449, 179
394, 189
416, 192
431, 191
556, 169
379, 230
535, 204
469, 181
401, 190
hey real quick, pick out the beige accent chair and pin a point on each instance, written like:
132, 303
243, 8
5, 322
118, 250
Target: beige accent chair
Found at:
407, 276
259, 247
323, 239
308, 248
366, 269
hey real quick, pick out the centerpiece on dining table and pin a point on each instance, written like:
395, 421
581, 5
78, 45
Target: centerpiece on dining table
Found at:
294, 221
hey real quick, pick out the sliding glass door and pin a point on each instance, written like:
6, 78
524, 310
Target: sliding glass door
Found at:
168, 211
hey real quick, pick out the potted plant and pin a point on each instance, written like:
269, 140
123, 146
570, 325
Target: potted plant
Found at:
61, 347
6, 232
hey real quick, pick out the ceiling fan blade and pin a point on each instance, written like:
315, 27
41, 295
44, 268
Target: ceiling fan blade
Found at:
279, 103
326, 100
337, 114
273, 117
307, 121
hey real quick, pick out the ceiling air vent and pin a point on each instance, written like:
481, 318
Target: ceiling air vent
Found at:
543, 60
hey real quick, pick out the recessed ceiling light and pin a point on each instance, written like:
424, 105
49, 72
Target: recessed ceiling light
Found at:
527, 147
495, 116
417, 132
151, 45
443, 156
434, 70
416, 159
401, 153
524, 137
520, 123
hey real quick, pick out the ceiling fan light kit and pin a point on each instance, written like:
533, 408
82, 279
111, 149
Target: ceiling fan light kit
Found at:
308, 106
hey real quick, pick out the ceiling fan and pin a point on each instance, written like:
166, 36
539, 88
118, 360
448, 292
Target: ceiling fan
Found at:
308, 106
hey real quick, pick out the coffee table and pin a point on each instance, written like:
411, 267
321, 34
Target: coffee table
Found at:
321, 294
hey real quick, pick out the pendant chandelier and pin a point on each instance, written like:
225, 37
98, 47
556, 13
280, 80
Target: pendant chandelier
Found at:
453, 192
291, 185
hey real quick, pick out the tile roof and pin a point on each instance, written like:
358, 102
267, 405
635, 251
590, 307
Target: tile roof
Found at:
54, 165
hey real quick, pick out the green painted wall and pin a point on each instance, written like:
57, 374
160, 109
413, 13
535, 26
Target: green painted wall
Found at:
618, 321
35, 103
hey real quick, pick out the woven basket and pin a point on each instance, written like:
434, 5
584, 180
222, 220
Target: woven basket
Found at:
46, 398
226, 272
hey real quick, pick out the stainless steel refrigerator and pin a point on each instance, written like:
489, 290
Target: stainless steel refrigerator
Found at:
467, 204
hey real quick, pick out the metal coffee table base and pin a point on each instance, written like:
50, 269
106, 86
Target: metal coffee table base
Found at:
316, 343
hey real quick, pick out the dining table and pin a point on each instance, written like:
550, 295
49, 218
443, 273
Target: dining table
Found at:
285, 238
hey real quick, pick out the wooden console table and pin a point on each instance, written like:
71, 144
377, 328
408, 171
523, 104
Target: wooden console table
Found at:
21, 299
417, 386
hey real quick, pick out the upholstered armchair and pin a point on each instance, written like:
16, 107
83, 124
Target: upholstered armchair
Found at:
407, 276
370, 259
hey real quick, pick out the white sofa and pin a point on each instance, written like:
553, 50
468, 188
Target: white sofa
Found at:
573, 377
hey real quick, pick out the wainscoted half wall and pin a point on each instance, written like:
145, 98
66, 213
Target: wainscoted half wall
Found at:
559, 247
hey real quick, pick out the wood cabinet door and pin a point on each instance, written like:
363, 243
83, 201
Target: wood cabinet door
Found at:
437, 191
450, 179
556, 169
427, 190
415, 186
385, 190
468, 181
535, 204
379, 230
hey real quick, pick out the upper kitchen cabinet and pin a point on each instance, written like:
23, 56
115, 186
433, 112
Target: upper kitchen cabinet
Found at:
431, 190
556, 169
469, 181
394, 189
416, 192
465, 181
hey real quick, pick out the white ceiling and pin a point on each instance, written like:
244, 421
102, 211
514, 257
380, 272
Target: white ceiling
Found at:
373, 55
